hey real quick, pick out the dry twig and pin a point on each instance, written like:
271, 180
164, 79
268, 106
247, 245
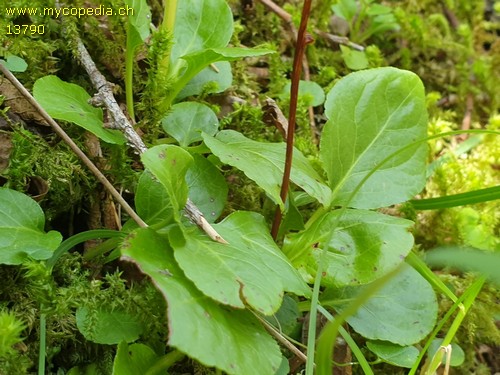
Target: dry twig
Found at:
121, 122
60, 132
340, 40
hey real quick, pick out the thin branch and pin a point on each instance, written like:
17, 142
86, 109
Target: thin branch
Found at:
280, 12
121, 122
302, 40
66, 138
105, 93
339, 40
282, 339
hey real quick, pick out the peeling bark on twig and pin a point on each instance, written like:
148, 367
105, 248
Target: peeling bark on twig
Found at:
121, 122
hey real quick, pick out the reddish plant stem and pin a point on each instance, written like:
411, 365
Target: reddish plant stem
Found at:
302, 40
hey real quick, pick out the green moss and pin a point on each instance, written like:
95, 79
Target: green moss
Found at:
68, 180
477, 225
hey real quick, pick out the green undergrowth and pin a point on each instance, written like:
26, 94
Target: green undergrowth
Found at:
83, 291
72, 286
475, 225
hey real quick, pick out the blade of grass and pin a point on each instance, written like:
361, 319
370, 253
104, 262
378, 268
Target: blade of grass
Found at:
350, 341
462, 199
418, 264
43, 343
436, 330
78, 238
475, 288
327, 337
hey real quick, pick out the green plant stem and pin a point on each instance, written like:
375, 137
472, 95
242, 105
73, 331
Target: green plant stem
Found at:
43, 343
165, 362
129, 73
419, 265
168, 24
170, 10
326, 341
350, 341
302, 40
436, 330
311, 332
475, 288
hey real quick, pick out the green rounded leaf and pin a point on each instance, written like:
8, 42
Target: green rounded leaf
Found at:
187, 120
309, 89
14, 63
403, 311
199, 60
108, 327
354, 60
201, 25
365, 246
264, 163
152, 202
213, 334
457, 353
133, 359
371, 115
208, 81
397, 355
22, 235
251, 269
169, 165
207, 187
138, 22
69, 102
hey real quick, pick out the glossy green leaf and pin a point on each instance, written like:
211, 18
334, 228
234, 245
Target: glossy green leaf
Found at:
308, 90
365, 246
209, 81
138, 22
457, 354
152, 202
371, 115
213, 334
197, 61
187, 120
169, 164
69, 102
14, 63
207, 187
250, 270
403, 311
133, 359
200, 25
347, 9
22, 234
354, 60
108, 327
264, 163
397, 355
